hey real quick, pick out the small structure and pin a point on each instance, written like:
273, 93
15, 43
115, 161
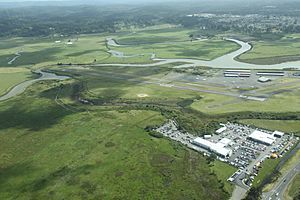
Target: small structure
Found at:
274, 156
237, 73
207, 136
278, 134
264, 79
221, 130
271, 73
262, 137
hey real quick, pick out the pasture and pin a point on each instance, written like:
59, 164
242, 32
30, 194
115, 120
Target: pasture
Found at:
274, 51
173, 43
89, 49
288, 126
49, 152
40, 52
218, 104
103, 151
10, 77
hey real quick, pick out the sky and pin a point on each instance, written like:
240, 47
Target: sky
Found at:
88, 0
72, 0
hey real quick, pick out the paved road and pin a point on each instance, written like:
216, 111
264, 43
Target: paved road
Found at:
227, 61
281, 186
278, 191
20, 88
239, 193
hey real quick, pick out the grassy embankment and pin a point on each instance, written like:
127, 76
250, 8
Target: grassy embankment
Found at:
9, 77
274, 51
293, 191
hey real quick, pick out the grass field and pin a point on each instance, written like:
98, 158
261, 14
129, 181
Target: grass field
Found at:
173, 43
288, 126
9, 77
103, 152
293, 189
218, 104
167, 43
275, 51
51, 153
44, 51
267, 167
224, 171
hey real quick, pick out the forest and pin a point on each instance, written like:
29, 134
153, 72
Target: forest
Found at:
68, 19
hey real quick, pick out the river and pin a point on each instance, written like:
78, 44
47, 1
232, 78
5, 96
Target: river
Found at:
226, 62
20, 88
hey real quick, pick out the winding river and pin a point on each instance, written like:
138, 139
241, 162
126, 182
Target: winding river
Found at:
226, 62
20, 88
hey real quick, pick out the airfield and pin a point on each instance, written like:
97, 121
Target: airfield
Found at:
131, 80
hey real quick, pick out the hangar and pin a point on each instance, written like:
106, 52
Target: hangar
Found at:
262, 137
217, 148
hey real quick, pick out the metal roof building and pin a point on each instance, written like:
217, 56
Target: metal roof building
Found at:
224, 142
262, 137
264, 79
216, 148
221, 130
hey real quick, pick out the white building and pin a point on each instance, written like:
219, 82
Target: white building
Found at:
278, 134
217, 148
262, 137
207, 136
263, 79
221, 130
225, 142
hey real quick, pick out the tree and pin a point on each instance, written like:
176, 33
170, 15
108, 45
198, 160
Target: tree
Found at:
211, 158
191, 36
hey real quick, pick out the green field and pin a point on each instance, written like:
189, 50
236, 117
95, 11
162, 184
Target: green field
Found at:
48, 152
274, 51
224, 171
85, 49
173, 43
288, 126
44, 51
293, 191
267, 167
100, 150
10, 77
219, 104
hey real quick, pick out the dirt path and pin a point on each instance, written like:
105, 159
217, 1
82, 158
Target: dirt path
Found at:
15, 58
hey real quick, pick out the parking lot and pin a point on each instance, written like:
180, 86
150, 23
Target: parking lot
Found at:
247, 154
